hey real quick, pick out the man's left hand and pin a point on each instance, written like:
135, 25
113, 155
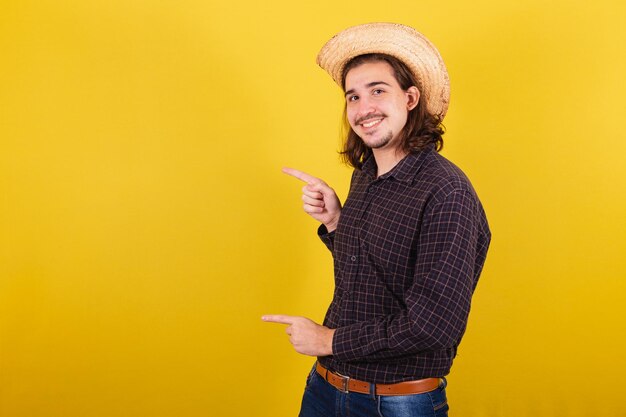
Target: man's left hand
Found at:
306, 336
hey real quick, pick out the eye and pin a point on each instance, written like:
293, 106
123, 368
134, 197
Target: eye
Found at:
353, 98
378, 91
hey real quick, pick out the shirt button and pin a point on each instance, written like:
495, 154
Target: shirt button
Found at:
353, 258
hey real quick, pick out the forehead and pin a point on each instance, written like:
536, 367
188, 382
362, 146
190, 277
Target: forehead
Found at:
369, 72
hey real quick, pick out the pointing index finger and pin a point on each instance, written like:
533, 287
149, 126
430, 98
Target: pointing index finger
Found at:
278, 318
302, 176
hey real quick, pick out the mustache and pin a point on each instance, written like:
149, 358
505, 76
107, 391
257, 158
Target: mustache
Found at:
368, 117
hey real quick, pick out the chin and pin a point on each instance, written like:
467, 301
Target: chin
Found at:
379, 142
378, 145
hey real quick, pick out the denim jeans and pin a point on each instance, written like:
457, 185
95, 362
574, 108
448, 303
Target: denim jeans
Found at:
323, 400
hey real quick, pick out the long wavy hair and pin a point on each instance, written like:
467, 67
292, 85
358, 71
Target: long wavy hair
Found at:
420, 130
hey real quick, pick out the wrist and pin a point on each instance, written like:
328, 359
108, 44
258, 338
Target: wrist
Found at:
329, 342
332, 225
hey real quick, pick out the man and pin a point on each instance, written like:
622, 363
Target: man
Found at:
408, 245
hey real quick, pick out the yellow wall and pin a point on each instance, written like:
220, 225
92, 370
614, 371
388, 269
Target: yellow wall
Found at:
145, 225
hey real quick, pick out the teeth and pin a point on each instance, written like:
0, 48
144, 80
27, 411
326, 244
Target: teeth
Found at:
372, 123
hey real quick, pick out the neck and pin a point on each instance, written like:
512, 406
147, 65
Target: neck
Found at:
386, 159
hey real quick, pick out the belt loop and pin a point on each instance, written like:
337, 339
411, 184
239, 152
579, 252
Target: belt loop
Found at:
346, 384
373, 390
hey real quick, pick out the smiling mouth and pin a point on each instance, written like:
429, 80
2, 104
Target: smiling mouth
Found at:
371, 123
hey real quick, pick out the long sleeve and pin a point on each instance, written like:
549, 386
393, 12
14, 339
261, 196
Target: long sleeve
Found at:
328, 238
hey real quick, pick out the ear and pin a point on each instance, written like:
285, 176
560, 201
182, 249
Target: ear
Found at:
413, 97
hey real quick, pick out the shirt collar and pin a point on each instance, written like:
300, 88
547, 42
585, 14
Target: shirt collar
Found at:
405, 170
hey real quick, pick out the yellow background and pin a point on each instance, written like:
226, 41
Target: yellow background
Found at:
145, 225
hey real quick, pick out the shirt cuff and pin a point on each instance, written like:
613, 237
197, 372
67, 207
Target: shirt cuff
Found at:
346, 346
327, 237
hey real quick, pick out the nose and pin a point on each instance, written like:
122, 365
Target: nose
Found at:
365, 106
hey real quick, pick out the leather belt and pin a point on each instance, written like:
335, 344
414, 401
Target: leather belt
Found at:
347, 384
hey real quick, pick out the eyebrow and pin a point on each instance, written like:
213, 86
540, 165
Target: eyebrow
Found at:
369, 85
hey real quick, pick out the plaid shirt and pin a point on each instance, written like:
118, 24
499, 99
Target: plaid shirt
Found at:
408, 251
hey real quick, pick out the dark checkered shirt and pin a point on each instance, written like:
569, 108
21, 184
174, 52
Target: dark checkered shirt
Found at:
408, 251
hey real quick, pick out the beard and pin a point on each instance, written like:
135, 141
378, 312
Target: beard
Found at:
380, 142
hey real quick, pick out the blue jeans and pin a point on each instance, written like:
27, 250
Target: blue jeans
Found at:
323, 400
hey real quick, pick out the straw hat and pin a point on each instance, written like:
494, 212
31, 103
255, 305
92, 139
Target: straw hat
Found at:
399, 41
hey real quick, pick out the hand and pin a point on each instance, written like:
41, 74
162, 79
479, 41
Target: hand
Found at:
306, 336
320, 201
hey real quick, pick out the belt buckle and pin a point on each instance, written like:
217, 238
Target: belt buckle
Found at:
346, 381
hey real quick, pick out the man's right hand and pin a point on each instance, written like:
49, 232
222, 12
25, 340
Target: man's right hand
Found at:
320, 201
